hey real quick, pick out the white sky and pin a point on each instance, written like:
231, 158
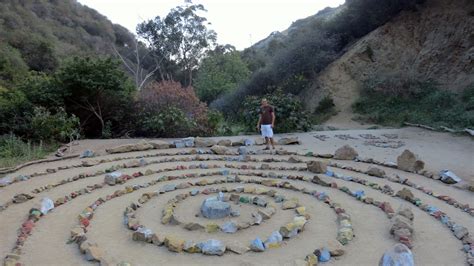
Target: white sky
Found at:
237, 22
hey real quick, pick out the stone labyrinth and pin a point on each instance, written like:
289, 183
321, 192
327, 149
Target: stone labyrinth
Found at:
199, 201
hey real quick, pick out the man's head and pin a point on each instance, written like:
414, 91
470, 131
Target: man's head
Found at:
264, 102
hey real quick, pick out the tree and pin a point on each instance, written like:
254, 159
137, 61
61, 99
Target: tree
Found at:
136, 66
220, 73
96, 91
178, 40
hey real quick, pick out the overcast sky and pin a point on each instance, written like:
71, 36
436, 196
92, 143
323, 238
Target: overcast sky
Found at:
237, 22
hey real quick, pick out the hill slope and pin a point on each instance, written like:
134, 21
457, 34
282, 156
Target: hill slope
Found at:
40, 33
434, 43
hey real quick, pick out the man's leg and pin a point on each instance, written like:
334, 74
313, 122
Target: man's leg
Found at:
273, 143
267, 143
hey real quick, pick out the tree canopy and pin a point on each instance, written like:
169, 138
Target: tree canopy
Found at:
219, 73
179, 41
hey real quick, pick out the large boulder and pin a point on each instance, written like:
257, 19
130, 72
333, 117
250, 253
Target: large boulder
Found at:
141, 146
318, 167
204, 142
346, 152
289, 141
397, 255
160, 144
212, 208
375, 171
408, 161
219, 150
224, 142
183, 143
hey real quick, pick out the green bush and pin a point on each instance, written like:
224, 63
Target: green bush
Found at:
415, 102
289, 112
170, 122
324, 110
53, 127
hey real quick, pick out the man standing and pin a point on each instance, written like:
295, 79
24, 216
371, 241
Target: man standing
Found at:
266, 122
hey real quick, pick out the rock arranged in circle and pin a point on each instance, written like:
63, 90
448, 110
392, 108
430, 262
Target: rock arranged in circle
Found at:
258, 179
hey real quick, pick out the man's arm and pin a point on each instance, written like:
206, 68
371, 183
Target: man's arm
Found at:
259, 121
273, 119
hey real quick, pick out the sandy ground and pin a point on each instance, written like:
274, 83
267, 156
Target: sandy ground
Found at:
434, 243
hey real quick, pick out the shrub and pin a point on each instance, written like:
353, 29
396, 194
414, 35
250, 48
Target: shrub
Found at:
170, 122
289, 112
416, 102
53, 127
169, 102
13, 107
14, 151
324, 110
96, 90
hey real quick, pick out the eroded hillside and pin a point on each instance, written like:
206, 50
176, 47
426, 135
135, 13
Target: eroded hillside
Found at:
434, 43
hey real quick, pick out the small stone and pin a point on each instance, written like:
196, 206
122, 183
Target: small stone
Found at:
229, 227
406, 194
289, 230
244, 199
374, 171
257, 218
234, 197
212, 247
265, 213
401, 222
323, 254
301, 211
274, 240
257, 245
156, 240
406, 212
344, 235
212, 228
294, 159
259, 202
290, 204
237, 248
174, 244
194, 226
167, 188
191, 247
311, 260
93, 253
235, 213
460, 231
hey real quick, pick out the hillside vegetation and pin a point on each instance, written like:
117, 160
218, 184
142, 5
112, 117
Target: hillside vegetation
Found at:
38, 34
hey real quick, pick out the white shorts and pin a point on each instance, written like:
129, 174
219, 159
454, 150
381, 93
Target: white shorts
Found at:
267, 131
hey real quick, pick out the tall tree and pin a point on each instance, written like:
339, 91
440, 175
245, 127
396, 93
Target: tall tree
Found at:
221, 72
180, 40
